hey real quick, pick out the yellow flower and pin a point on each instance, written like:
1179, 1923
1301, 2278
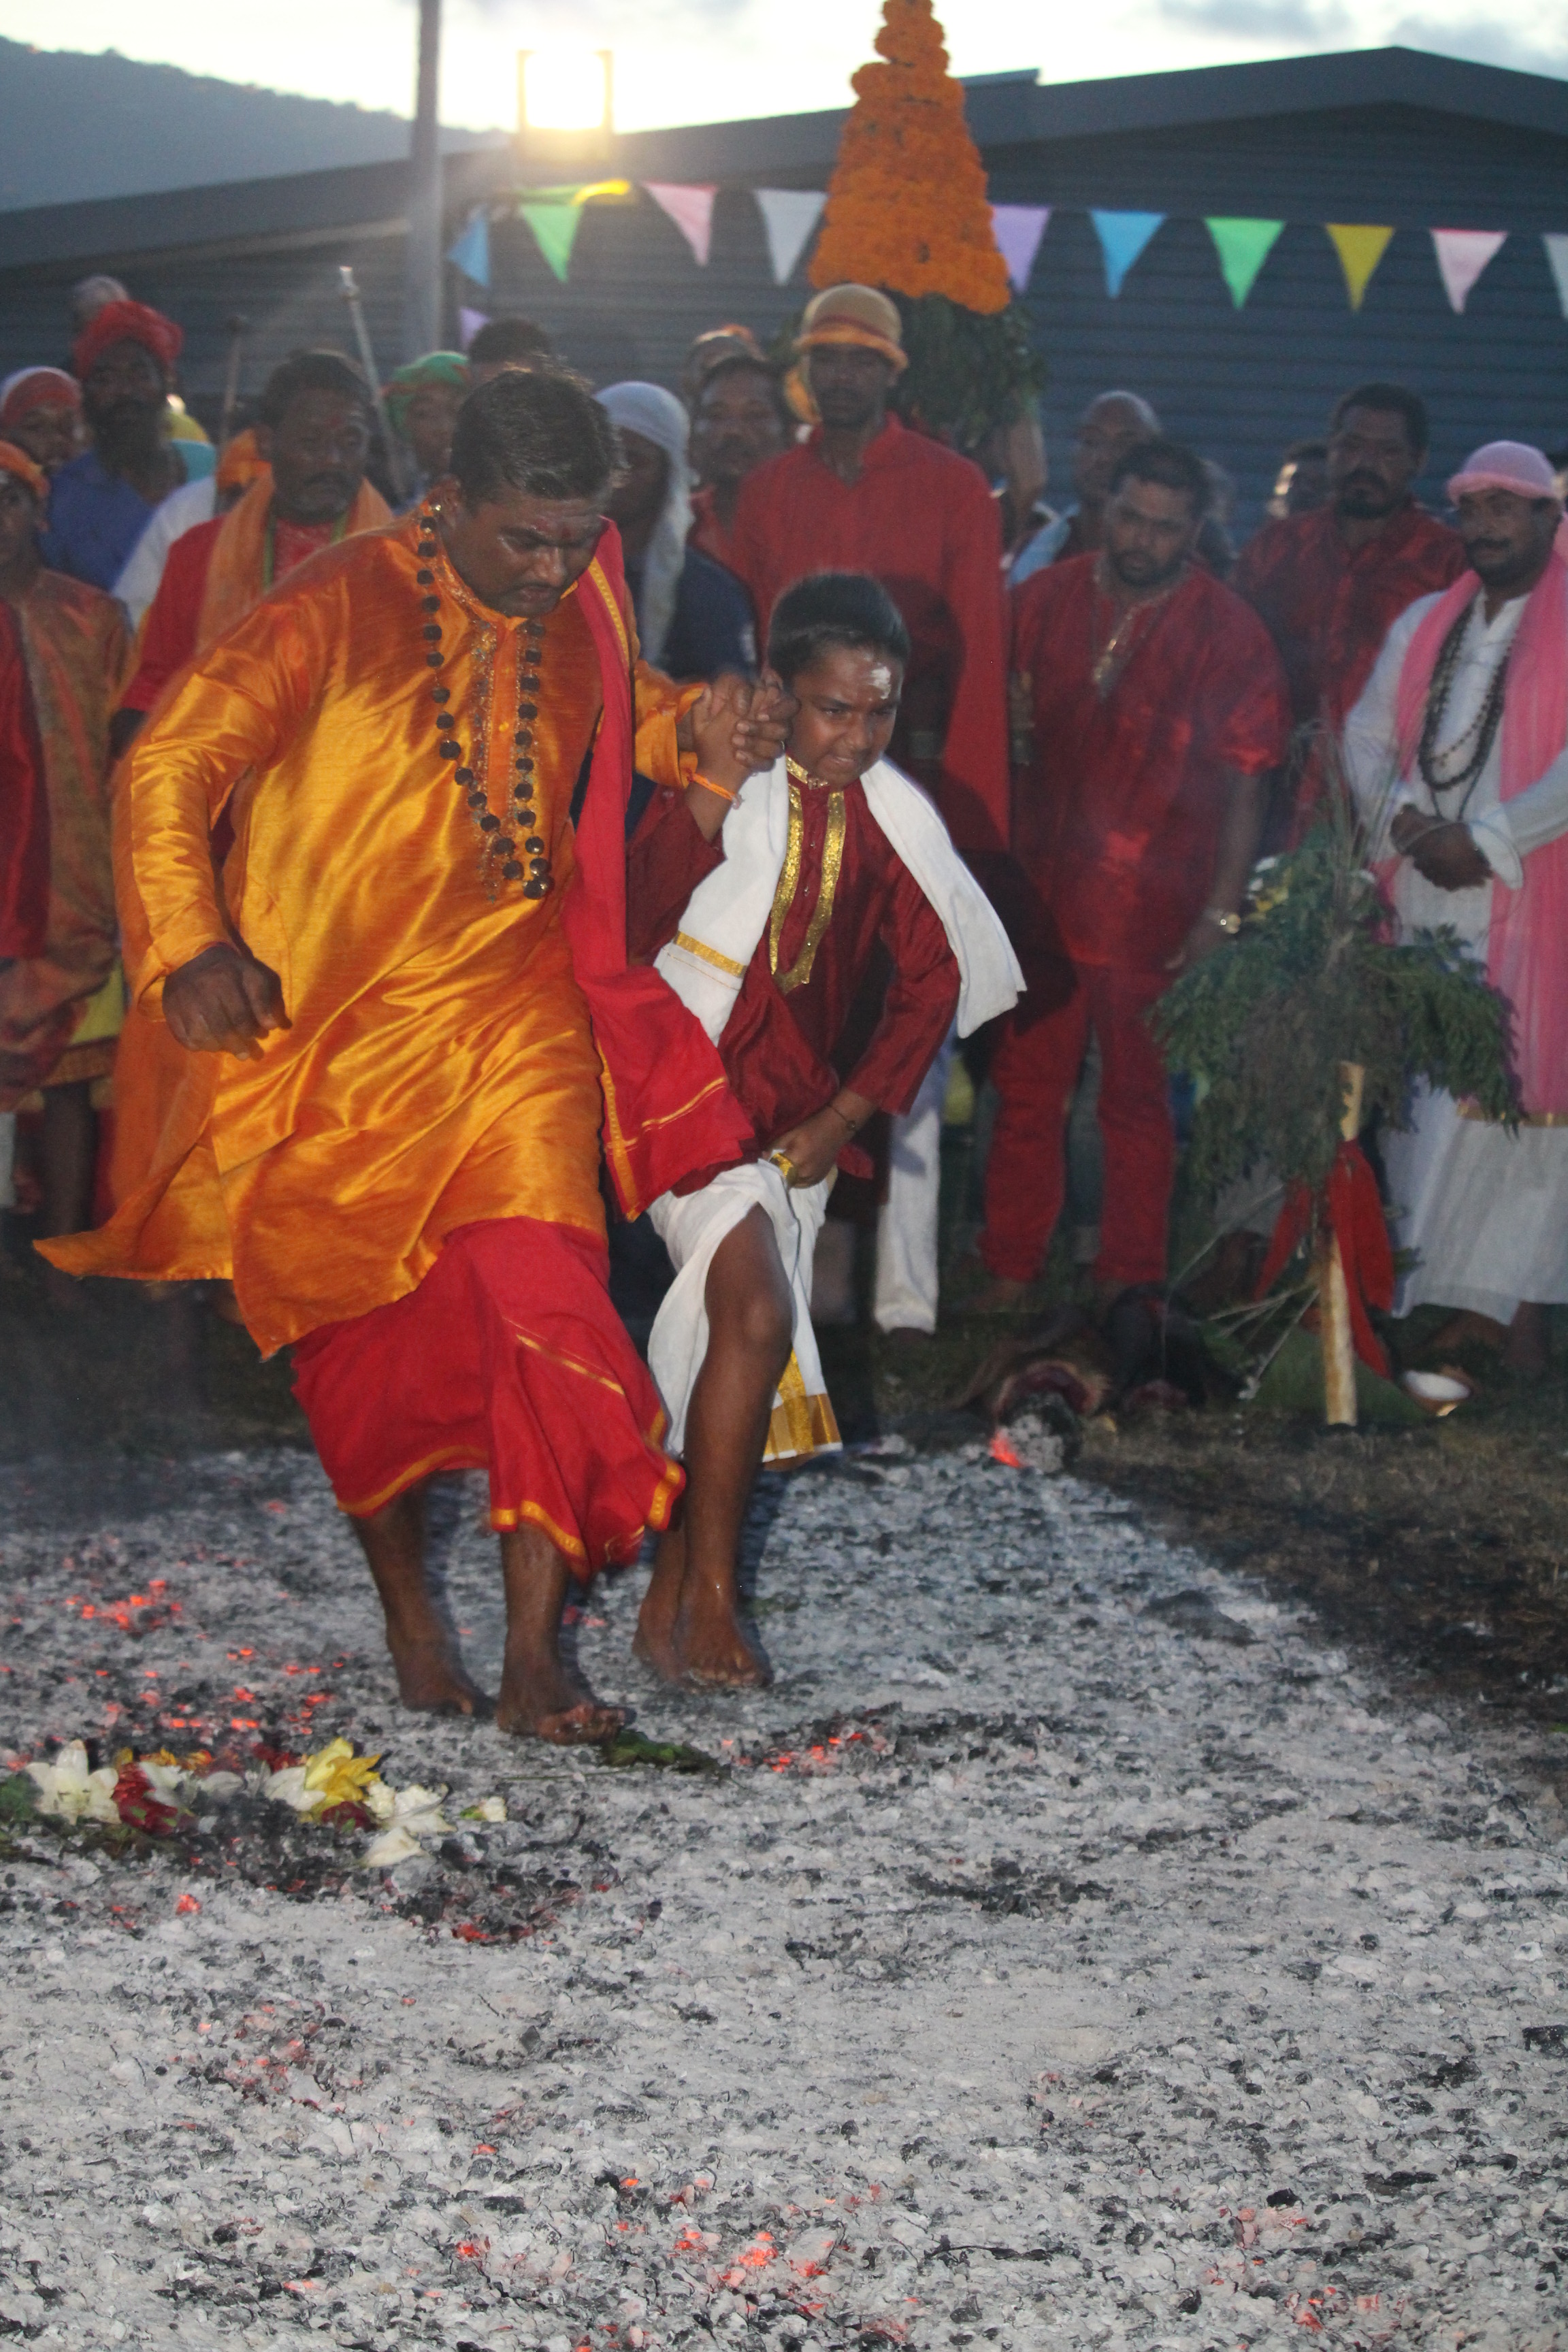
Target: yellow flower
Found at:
336, 1776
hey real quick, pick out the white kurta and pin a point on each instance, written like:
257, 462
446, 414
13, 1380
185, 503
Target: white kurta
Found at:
1484, 1212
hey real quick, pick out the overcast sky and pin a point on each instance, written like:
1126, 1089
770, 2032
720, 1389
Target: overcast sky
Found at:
711, 60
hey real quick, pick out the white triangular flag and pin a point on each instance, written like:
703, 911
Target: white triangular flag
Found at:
1557, 255
789, 216
1462, 255
691, 210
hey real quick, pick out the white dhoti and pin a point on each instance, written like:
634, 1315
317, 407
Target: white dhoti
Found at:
905, 1296
691, 1226
1485, 1211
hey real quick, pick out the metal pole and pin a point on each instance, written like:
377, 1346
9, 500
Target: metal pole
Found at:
389, 440
422, 312
236, 329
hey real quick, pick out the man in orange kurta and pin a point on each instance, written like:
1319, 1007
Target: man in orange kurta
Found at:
314, 428
60, 996
411, 1014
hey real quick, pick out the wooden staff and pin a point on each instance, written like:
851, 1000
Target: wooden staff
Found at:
236, 329
389, 441
1334, 1299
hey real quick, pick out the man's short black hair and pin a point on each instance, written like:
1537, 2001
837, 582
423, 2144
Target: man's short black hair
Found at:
544, 433
499, 340
1172, 464
310, 372
834, 608
1390, 400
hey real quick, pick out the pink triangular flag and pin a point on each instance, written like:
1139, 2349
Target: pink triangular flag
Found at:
691, 210
469, 325
1462, 255
1018, 229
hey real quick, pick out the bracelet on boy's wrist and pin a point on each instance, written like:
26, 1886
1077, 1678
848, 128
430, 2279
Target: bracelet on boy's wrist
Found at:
709, 785
853, 1125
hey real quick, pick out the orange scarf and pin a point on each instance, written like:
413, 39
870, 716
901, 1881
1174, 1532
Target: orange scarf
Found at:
236, 574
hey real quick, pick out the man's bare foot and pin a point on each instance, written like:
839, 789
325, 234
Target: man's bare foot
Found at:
547, 1702
1467, 1329
433, 1679
712, 1645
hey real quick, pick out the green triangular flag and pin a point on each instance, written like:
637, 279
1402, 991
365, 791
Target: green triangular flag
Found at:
1243, 246
556, 215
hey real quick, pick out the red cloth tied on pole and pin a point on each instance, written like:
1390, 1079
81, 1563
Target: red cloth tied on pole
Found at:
24, 802
1351, 1210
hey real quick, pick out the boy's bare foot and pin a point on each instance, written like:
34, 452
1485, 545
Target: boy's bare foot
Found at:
432, 1678
713, 1644
654, 1641
540, 1699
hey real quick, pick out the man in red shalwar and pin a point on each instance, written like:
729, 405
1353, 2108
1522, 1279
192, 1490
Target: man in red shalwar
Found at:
1328, 585
1158, 705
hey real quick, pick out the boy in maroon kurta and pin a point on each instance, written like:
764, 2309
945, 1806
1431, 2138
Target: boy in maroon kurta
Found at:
768, 934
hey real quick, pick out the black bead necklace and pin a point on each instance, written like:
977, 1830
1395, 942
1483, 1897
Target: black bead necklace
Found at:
502, 854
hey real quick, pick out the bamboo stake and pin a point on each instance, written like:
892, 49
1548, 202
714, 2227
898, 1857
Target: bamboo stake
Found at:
1334, 1299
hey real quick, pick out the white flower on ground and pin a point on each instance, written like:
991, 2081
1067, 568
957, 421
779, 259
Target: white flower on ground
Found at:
395, 1844
68, 1791
488, 1809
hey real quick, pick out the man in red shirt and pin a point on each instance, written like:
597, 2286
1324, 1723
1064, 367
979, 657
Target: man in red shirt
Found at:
865, 494
1158, 705
1328, 585
740, 419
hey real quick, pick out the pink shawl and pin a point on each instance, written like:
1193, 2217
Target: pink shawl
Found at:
1527, 942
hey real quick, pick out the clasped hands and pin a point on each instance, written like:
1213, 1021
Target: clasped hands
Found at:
1439, 848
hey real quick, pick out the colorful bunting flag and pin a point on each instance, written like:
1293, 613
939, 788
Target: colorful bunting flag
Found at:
469, 325
1360, 249
1123, 237
1462, 255
1557, 255
1018, 229
471, 253
555, 215
789, 216
1243, 246
691, 210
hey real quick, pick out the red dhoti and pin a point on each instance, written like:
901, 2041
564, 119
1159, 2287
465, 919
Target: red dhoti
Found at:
1035, 1069
508, 1357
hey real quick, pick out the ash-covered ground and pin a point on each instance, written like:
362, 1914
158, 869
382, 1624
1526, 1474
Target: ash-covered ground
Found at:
1073, 1951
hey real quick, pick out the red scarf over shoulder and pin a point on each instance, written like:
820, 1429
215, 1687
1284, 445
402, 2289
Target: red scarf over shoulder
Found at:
667, 1105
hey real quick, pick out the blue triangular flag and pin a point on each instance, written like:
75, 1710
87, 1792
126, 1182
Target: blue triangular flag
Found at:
471, 252
1122, 237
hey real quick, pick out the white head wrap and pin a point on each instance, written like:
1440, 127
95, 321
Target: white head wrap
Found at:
659, 417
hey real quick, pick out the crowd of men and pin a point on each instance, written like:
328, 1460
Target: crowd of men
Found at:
1112, 710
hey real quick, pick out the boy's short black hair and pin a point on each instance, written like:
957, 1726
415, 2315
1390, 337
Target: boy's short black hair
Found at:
834, 608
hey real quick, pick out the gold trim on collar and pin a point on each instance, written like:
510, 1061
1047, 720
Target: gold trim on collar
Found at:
799, 972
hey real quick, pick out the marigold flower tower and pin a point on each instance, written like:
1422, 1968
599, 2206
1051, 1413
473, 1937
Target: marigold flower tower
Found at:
907, 211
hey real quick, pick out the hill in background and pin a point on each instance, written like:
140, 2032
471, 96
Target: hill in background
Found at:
74, 127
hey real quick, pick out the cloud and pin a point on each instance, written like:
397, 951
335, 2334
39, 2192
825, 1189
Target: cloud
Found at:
1314, 24
1483, 41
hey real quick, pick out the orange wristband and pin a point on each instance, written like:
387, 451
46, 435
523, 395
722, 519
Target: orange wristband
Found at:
709, 785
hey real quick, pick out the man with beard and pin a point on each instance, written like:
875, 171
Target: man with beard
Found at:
1328, 585
1157, 704
866, 494
1457, 754
409, 1016
102, 501
738, 420
1113, 422
314, 428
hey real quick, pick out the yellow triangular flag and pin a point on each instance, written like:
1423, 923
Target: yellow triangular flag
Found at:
1360, 250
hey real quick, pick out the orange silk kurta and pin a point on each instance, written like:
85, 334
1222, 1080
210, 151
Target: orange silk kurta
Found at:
77, 652
441, 1068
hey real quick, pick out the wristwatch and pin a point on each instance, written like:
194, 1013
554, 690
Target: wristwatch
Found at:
1223, 922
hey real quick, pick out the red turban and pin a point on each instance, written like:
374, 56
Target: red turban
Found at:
127, 322
37, 387
16, 461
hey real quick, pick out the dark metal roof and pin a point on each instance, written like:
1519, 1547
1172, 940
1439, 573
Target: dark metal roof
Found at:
1005, 113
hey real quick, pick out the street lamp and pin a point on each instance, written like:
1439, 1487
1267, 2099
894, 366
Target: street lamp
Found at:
565, 104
